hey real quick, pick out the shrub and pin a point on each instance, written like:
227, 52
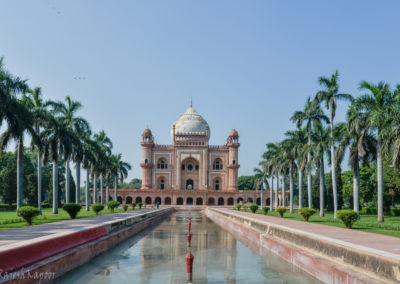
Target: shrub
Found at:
140, 204
348, 217
112, 204
28, 213
345, 207
369, 210
395, 211
72, 209
125, 207
307, 213
45, 205
238, 206
97, 208
133, 206
265, 210
253, 208
281, 211
245, 207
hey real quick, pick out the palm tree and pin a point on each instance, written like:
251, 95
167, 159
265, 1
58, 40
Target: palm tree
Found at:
105, 145
122, 171
89, 153
261, 179
391, 134
271, 162
299, 140
19, 120
38, 107
289, 156
310, 116
58, 143
320, 144
353, 135
377, 106
330, 95
79, 126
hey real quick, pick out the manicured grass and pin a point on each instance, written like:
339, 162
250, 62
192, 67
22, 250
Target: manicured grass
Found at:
10, 220
367, 223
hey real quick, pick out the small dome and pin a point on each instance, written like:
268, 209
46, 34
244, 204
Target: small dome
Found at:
234, 133
147, 133
190, 123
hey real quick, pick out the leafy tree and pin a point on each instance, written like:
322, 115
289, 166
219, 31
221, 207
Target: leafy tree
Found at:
246, 183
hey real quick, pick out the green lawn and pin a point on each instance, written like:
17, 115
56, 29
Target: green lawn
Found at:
367, 223
10, 220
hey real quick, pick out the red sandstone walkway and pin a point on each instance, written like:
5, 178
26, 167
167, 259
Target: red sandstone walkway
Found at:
37, 231
351, 237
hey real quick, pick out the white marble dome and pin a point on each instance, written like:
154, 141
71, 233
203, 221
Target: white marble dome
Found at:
190, 123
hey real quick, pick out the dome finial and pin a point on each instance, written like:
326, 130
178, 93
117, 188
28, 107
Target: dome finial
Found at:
191, 104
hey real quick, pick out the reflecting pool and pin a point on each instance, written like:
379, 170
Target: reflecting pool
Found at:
157, 255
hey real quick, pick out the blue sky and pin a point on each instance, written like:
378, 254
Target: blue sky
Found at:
247, 64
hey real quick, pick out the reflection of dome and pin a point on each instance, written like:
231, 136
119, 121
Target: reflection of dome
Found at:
190, 123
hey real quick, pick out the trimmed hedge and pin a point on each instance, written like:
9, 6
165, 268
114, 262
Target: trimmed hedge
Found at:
395, 211
307, 213
125, 207
348, 217
253, 208
140, 204
133, 206
238, 206
369, 211
112, 204
265, 210
28, 213
72, 209
281, 211
97, 208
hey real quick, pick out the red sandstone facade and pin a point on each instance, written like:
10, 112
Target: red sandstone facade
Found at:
190, 171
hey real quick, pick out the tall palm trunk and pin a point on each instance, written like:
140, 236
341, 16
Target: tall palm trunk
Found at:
55, 186
107, 193
95, 189
300, 189
291, 190
78, 183
262, 196
116, 188
277, 191
380, 180
39, 176
356, 185
271, 194
20, 156
101, 189
67, 182
87, 195
321, 186
284, 191
309, 181
333, 169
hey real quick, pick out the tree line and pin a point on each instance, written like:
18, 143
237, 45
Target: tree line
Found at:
370, 136
58, 136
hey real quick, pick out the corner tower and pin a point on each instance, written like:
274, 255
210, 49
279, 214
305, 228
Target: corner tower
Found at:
233, 163
147, 163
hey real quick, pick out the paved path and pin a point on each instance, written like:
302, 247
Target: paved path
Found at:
357, 238
31, 232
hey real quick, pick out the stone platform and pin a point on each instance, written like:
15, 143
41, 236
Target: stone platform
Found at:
331, 254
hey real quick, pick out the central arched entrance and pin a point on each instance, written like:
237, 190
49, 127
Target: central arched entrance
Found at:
189, 184
189, 201
190, 174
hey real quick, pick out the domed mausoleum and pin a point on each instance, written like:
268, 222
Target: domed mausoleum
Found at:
190, 171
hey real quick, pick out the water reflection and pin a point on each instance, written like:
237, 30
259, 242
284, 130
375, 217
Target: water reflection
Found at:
157, 255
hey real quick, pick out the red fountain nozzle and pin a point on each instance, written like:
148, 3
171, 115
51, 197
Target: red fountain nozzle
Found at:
189, 266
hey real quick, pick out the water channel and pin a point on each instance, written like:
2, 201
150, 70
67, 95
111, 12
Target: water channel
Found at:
157, 255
